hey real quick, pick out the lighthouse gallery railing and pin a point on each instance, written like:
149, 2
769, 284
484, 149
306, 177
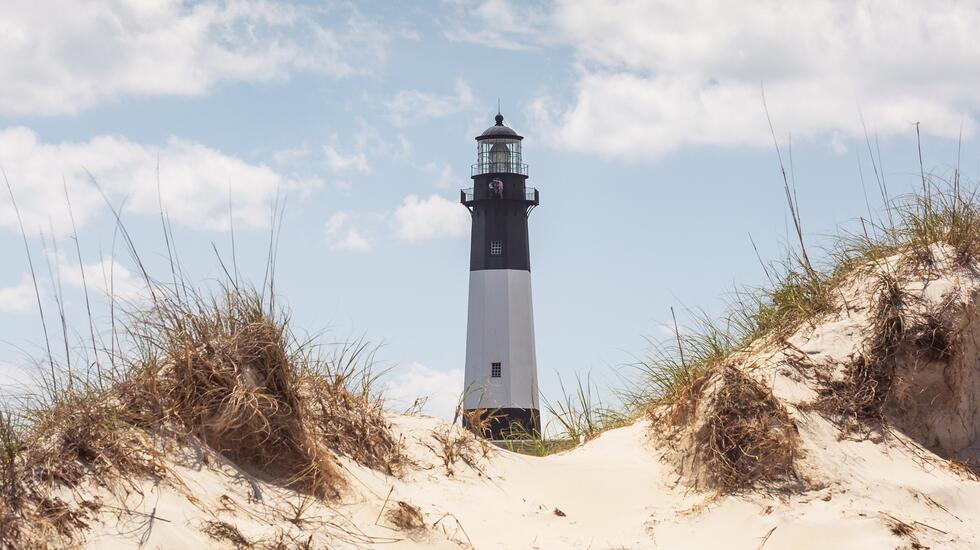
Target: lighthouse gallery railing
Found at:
530, 195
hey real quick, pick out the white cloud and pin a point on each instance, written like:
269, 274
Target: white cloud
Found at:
66, 55
104, 278
342, 233
435, 217
445, 176
18, 378
500, 24
411, 105
658, 75
195, 182
18, 298
291, 156
439, 389
338, 162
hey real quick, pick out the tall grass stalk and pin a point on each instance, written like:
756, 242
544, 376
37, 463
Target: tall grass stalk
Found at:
30, 265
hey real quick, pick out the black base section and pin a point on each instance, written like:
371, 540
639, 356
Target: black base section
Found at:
504, 423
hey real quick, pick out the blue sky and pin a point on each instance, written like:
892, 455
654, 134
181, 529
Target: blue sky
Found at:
645, 133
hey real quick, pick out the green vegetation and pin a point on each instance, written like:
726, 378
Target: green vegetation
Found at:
798, 293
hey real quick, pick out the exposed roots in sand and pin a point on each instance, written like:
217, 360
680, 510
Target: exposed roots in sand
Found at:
915, 373
904, 340
727, 432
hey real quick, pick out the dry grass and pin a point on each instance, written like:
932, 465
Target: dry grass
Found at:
968, 469
223, 371
903, 531
405, 516
453, 445
225, 532
899, 331
285, 541
732, 431
87, 433
860, 396
800, 292
352, 424
81, 436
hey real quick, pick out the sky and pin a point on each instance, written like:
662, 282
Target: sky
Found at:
645, 126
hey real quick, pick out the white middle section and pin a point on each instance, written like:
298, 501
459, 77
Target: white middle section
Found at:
500, 329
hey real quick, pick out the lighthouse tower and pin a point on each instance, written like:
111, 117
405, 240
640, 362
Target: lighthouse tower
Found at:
501, 369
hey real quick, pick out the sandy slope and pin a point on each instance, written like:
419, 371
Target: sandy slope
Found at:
615, 492
621, 490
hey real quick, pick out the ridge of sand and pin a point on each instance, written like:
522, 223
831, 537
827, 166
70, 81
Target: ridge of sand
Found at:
615, 492
619, 490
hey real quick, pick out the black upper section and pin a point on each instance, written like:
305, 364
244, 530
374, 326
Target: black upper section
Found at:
500, 217
499, 203
498, 130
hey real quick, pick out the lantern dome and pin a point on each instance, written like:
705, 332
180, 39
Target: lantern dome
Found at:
498, 130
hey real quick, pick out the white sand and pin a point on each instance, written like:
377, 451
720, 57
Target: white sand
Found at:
616, 491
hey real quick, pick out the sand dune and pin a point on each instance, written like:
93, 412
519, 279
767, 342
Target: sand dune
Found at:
614, 492
834, 465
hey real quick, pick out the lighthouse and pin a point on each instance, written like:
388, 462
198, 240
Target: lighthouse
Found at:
501, 381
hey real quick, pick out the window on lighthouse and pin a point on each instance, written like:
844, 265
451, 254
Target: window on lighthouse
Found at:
496, 247
495, 370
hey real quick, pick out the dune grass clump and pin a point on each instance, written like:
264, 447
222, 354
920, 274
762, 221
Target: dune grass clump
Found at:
581, 414
943, 214
725, 431
86, 432
182, 369
80, 434
730, 433
468, 444
223, 370
351, 423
